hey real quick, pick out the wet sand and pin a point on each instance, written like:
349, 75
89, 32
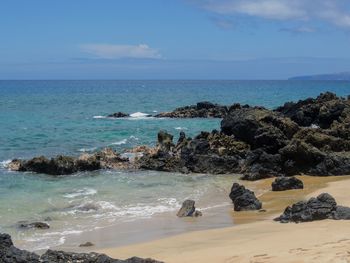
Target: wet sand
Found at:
256, 237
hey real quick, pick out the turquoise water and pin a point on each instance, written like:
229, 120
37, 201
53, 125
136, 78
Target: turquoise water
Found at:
63, 117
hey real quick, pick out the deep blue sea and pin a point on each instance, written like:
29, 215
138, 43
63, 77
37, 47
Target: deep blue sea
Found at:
66, 117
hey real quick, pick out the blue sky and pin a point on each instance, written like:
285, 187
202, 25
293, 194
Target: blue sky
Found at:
173, 39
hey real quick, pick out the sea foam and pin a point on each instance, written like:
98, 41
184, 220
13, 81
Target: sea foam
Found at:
5, 163
81, 192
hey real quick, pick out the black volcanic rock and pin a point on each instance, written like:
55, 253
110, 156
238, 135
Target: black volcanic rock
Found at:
37, 225
188, 209
118, 115
202, 109
243, 199
208, 152
64, 165
322, 111
311, 136
286, 183
10, 254
259, 165
259, 127
322, 207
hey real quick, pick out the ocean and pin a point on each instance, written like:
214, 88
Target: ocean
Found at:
67, 117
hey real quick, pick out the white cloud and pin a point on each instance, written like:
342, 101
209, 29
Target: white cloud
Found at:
335, 12
110, 51
300, 29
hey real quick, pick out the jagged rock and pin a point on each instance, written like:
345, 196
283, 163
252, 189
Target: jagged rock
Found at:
259, 165
188, 209
253, 141
10, 254
323, 140
37, 225
322, 111
118, 115
165, 141
200, 110
243, 199
110, 159
259, 127
302, 155
341, 213
208, 152
286, 183
322, 207
332, 164
63, 165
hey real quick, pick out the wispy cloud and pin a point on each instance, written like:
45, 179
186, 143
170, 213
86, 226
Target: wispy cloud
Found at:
298, 30
335, 12
111, 51
223, 23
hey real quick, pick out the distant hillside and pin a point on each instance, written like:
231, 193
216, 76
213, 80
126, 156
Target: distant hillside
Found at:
335, 76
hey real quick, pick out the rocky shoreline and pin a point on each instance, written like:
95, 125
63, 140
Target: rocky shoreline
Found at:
11, 254
310, 136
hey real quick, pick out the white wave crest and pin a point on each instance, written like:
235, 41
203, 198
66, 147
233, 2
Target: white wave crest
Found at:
99, 117
87, 149
139, 115
5, 163
121, 142
180, 128
81, 192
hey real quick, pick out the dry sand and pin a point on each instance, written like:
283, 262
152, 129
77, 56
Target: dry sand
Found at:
256, 237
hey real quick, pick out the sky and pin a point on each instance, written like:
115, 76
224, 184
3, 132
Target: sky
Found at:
173, 39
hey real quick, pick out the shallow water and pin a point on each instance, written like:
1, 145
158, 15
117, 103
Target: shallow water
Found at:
67, 117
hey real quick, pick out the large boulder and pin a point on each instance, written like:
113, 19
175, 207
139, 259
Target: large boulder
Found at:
322, 207
244, 199
259, 127
259, 165
286, 183
188, 209
299, 156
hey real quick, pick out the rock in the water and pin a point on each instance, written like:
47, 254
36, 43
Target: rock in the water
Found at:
86, 244
322, 207
10, 254
188, 209
203, 109
37, 225
243, 199
64, 165
287, 183
118, 115
310, 137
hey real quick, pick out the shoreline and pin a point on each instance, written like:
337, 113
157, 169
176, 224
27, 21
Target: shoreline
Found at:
256, 237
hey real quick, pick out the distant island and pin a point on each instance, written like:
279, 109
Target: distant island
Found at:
334, 76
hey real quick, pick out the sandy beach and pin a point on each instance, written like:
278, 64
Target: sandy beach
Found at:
256, 237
